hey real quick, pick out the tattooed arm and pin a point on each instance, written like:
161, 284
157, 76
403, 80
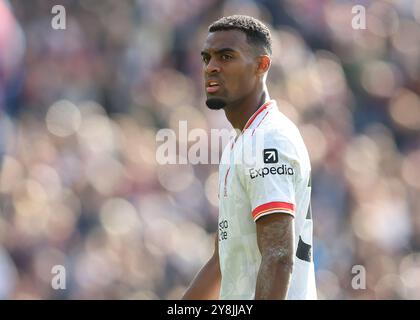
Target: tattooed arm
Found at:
275, 236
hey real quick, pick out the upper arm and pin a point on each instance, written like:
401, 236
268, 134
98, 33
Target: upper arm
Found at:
271, 189
275, 236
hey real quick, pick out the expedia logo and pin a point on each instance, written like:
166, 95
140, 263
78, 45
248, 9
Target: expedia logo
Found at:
270, 156
262, 172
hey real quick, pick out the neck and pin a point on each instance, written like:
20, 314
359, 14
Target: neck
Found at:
239, 113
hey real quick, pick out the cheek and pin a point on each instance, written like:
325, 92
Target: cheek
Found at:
245, 79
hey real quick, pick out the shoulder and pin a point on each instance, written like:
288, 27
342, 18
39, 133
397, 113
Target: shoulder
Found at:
277, 131
278, 135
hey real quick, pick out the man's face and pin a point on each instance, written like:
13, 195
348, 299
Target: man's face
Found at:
229, 66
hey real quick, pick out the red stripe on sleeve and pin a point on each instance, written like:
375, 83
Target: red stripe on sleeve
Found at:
273, 206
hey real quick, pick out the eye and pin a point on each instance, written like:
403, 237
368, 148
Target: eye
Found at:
226, 57
206, 59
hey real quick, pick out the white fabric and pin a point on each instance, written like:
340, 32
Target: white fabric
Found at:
248, 191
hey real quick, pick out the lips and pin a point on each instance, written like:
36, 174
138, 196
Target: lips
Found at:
212, 89
212, 86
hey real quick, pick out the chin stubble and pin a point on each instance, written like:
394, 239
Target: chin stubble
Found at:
215, 103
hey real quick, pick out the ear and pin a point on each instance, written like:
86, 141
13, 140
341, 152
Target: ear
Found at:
264, 63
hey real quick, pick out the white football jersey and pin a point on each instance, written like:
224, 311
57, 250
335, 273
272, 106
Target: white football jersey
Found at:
266, 170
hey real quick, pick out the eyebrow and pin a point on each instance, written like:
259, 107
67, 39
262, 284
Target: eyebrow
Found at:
223, 50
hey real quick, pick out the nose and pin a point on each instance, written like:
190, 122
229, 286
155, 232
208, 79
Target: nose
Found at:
212, 67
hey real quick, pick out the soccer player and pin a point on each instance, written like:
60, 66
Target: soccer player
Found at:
263, 249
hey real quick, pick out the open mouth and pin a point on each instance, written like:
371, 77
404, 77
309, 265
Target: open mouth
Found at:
212, 86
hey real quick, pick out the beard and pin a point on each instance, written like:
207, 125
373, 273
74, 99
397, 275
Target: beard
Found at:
215, 103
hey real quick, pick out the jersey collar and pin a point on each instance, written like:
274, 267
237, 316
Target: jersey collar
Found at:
259, 111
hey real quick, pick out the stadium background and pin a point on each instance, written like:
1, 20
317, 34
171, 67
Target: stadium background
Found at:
80, 108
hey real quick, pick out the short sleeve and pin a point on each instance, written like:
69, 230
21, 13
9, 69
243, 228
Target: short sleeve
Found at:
270, 181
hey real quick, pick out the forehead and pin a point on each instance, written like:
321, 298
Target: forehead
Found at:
233, 39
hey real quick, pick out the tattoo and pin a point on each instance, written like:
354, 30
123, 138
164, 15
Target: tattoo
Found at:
276, 245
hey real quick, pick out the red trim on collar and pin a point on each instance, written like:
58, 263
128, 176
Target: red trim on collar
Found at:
260, 109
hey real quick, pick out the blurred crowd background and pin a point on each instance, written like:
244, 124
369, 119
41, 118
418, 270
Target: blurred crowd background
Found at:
79, 110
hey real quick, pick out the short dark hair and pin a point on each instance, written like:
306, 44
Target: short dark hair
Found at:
258, 35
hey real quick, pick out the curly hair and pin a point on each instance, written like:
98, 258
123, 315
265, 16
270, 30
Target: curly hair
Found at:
258, 35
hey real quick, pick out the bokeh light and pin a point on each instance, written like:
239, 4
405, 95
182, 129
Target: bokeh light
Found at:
80, 109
